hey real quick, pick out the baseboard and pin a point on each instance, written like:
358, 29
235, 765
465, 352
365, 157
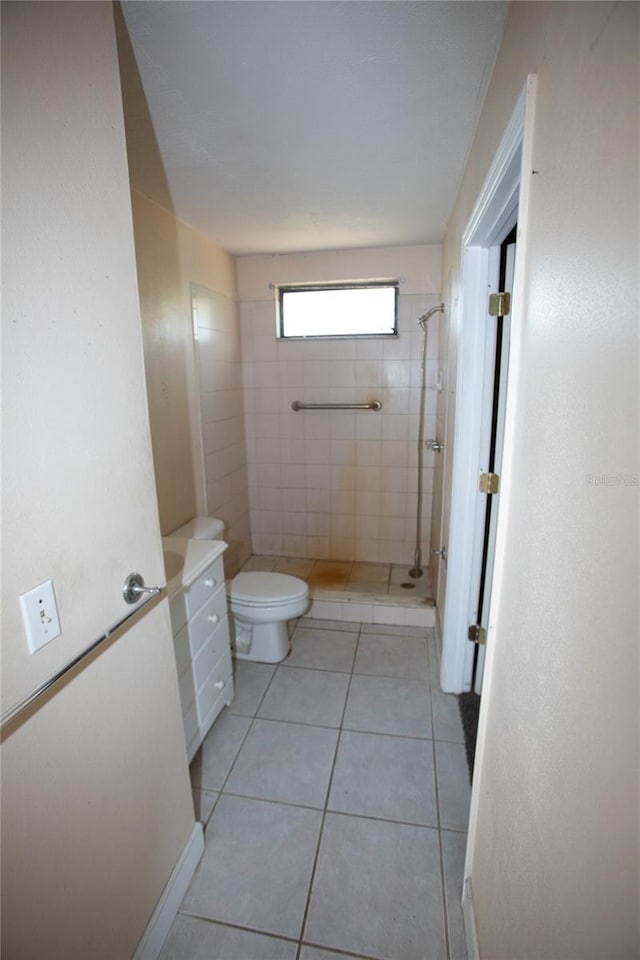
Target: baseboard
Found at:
469, 918
167, 907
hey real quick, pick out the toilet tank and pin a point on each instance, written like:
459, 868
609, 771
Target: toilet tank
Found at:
200, 528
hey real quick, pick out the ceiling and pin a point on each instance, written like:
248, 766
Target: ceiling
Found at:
302, 125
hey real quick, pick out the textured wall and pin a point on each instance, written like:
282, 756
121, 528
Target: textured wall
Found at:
170, 255
553, 853
219, 371
96, 805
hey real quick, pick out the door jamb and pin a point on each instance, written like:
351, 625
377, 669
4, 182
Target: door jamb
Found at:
499, 203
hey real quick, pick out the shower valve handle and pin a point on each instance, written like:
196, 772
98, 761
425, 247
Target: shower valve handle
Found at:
434, 445
441, 553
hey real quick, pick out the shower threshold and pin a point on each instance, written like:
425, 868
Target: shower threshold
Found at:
358, 591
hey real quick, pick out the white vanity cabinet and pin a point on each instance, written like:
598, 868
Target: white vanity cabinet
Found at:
200, 625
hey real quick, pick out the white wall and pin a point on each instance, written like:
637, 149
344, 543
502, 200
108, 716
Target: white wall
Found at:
337, 485
554, 842
170, 256
96, 805
219, 375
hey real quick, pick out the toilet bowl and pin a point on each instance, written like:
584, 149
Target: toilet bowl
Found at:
260, 604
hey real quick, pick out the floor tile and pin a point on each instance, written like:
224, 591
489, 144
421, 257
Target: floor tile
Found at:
257, 864
388, 777
377, 890
194, 939
389, 705
399, 573
401, 581
454, 792
409, 592
322, 649
329, 574
215, 758
203, 803
286, 762
306, 696
318, 623
250, 682
370, 572
393, 630
447, 724
365, 587
390, 656
317, 953
454, 846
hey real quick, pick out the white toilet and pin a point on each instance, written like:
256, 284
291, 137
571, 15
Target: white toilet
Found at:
260, 603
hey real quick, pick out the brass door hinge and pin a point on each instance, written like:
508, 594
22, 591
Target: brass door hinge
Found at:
499, 304
489, 482
476, 633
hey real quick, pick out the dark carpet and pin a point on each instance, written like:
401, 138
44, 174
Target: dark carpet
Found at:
469, 704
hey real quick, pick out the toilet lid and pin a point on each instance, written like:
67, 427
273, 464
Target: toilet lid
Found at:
263, 587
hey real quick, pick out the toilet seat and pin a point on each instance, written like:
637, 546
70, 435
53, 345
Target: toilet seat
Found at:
259, 589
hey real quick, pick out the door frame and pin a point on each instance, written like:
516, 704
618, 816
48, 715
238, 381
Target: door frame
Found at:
502, 200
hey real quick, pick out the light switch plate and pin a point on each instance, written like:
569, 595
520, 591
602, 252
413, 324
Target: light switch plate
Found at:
40, 615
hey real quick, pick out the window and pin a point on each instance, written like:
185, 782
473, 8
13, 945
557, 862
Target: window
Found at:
367, 309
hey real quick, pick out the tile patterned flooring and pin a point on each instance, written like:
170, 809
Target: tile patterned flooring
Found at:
370, 581
335, 797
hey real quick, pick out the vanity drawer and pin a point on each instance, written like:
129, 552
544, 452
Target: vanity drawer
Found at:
189, 601
218, 688
195, 634
209, 654
202, 588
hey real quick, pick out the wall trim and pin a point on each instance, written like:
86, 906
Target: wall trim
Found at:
166, 909
500, 198
469, 920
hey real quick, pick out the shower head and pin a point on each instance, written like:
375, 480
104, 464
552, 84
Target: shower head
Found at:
427, 316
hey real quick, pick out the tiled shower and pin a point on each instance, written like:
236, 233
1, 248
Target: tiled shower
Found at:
335, 485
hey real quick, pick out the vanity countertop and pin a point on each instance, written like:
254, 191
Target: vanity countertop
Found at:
184, 560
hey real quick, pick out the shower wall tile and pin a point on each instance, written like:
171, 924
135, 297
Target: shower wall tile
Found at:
337, 484
221, 374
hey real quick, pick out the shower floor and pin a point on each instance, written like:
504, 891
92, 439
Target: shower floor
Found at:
342, 589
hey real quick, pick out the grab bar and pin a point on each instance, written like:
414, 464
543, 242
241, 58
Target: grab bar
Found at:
298, 405
36, 694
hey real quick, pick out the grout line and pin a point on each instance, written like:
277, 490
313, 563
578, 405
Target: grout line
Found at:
340, 953
443, 887
324, 726
370, 816
244, 739
337, 813
238, 926
324, 812
325, 809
